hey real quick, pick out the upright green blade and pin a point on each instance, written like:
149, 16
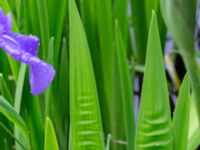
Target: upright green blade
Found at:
139, 23
50, 136
154, 126
194, 127
9, 112
4, 89
126, 90
179, 16
85, 123
180, 122
121, 14
44, 26
106, 90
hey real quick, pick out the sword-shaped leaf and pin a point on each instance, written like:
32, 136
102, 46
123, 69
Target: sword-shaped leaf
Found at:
9, 112
180, 122
126, 90
50, 136
85, 119
154, 124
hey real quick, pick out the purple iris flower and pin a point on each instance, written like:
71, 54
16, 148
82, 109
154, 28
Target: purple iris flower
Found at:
24, 49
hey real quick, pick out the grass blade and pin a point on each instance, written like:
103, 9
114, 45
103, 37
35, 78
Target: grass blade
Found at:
180, 122
4, 90
64, 94
50, 136
126, 90
181, 23
44, 26
138, 7
121, 14
85, 123
18, 99
154, 124
8, 111
194, 127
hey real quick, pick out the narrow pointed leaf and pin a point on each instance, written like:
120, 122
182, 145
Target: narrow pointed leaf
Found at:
154, 124
106, 87
121, 14
126, 90
50, 136
85, 123
180, 122
8, 111
4, 90
139, 23
179, 17
194, 126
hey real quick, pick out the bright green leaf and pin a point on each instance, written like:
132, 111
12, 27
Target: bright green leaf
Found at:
180, 122
126, 90
85, 123
8, 111
4, 90
50, 136
154, 124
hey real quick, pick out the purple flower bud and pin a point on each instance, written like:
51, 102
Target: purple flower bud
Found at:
24, 49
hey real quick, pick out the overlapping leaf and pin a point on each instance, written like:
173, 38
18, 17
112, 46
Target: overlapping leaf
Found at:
154, 124
85, 119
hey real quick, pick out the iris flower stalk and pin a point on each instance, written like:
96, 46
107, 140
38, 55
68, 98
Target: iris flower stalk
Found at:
25, 49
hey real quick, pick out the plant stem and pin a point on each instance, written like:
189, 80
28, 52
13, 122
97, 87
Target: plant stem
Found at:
194, 74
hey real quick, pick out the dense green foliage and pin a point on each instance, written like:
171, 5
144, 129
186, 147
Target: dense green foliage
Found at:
99, 49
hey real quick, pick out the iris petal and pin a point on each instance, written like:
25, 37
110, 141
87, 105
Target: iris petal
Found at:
41, 74
5, 22
28, 43
24, 49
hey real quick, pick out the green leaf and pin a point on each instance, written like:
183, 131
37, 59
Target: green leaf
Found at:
107, 54
4, 90
121, 14
18, 99
179, 16
8, 111
139, 23
85, 123
180, 122
44, 26
194, 127
154, 124
63, 93
141, 15
35, 122
126, 90
19, 88
149, 6
50, 136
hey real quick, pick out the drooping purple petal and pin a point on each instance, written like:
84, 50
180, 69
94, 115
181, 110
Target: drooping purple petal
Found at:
5, 22
28, 43
14, 49
24, 49
41, 74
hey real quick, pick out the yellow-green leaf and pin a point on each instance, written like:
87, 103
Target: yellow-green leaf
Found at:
180, 122
85, 119
154, 124
50, 136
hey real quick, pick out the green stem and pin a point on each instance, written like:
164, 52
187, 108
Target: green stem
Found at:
194, 74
